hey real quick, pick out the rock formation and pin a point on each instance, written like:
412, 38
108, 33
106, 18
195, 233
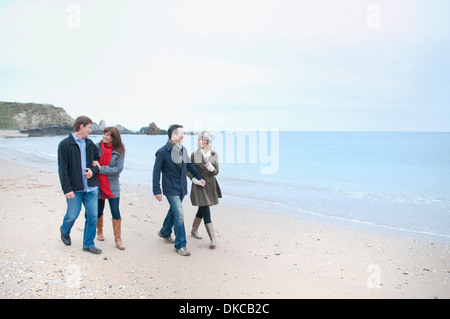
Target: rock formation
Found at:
31, 116
152, 129
45, 119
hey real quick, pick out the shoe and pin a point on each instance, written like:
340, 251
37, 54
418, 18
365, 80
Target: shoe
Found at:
93, 250
100, 229
167, 240
195, 224
211, 234
183, 251
117, 223
65, 238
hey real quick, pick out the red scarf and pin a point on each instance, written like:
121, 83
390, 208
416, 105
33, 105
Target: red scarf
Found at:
103, 181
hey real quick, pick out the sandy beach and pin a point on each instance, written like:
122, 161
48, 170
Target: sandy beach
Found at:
11, 134
258, 254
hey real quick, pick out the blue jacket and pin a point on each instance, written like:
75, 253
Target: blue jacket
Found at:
174, 181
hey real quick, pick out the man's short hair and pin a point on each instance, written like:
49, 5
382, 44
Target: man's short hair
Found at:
81, 120
172, 128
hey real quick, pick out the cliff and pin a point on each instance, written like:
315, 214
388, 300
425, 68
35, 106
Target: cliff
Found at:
32, 116
45, 119
152, 129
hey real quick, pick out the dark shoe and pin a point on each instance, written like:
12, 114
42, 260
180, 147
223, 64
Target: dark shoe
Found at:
93, 250
65, 238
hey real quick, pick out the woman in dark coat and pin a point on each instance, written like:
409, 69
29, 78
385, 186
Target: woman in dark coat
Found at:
207, 163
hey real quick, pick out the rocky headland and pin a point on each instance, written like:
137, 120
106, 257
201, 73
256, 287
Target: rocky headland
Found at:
37, 119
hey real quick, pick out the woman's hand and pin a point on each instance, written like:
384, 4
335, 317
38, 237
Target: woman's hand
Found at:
96, 163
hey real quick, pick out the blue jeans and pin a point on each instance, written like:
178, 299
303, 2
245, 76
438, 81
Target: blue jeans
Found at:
90, 202
175, 219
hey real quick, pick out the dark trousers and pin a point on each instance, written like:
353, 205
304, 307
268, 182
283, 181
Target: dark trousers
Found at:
113, 205
205, 213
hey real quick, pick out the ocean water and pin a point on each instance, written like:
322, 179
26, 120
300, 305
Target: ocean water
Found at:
382, 181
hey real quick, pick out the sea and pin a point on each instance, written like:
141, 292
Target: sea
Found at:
391, 182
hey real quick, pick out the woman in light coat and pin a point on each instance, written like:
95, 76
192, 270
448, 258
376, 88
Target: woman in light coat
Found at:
207, 163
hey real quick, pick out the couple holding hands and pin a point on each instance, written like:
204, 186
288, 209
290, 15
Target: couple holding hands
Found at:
202, 168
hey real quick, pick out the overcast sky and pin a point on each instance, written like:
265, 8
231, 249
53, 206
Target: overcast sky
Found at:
334, 65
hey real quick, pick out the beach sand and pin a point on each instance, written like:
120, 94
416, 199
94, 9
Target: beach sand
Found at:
11, 134
258, 254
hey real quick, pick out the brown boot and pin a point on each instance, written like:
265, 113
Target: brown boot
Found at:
195, 224
212, 236
117, 223
100, 229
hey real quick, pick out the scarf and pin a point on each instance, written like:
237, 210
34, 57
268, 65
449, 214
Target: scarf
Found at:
103, 181
206, 155
179, 148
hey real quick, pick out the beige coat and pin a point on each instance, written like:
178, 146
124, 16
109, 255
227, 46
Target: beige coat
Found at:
209, 194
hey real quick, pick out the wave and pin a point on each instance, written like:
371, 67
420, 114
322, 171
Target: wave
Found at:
53, 155
243, 184
356, 221
343, 219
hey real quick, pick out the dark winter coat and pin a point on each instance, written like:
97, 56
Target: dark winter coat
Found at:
174, 181
69, 164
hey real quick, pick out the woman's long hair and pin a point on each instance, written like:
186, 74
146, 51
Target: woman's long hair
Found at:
205, 135
117, 143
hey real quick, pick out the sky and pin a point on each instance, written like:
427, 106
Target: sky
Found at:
323, 65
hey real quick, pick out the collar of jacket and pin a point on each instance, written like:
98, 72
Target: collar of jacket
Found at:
72, 140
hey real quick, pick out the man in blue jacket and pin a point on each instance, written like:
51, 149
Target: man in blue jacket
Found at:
78, 178
172, 160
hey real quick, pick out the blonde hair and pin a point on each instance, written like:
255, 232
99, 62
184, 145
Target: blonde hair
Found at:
205, 135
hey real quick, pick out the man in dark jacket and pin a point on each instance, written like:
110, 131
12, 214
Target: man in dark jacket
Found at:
78, 178
172, 160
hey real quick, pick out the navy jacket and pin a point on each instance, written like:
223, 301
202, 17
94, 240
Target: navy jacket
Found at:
174, 181
69, 164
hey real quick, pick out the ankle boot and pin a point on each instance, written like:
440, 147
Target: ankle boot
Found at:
211, 234
117, 223
100, 229
195, 224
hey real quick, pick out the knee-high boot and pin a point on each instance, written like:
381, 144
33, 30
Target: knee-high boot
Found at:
100, 229
211, 234
195, 225
117, 225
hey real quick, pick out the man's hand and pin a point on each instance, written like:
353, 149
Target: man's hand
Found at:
70, 195
203, 182
88, 173
159, 197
